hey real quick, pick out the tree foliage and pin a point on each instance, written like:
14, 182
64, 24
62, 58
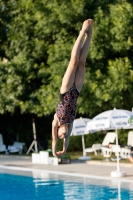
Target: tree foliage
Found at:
36, 38
109, 77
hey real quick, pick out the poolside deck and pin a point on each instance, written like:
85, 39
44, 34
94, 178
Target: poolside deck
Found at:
91, 168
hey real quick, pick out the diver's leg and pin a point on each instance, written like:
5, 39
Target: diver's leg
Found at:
80, 71
69, 77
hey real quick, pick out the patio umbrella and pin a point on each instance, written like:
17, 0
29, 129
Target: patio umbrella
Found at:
79, 127
112, 120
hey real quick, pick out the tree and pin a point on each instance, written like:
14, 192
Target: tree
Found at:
36, 30
108, 81
36, 41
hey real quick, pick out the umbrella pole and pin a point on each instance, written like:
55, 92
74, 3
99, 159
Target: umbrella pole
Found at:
117, 173
83, 145
118, 166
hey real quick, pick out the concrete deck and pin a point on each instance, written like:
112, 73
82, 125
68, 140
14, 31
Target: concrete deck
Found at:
91, 168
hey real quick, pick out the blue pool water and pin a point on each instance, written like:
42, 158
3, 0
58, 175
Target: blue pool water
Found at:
19, 187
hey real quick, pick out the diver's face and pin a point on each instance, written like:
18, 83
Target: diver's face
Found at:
62, 131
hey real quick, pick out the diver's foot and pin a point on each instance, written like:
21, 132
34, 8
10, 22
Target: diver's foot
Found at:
87, 25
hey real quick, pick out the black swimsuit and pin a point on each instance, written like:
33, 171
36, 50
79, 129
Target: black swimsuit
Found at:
66, 110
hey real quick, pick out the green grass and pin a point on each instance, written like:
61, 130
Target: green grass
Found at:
76, 155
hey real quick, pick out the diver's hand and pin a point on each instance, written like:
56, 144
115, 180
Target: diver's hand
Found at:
60, 153
55, 155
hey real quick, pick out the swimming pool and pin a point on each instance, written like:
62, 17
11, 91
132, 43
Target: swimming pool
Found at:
19, 185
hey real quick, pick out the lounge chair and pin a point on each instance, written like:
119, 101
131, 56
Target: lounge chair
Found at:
16, 147
130, 139
126, 150
2, 145
19, 145
94, 148
109, 138
106, 151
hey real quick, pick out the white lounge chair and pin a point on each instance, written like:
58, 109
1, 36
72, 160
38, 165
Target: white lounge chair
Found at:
106, 152
2, 145
130, 139
125, 151
109, 138
116, 149
16, 147
19, 145
94, 148
121, 152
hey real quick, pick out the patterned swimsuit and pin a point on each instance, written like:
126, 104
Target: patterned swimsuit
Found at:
66, 110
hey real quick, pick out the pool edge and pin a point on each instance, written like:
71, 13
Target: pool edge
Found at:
63, 173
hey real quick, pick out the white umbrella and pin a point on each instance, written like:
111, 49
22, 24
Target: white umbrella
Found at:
79, 128
110, 120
